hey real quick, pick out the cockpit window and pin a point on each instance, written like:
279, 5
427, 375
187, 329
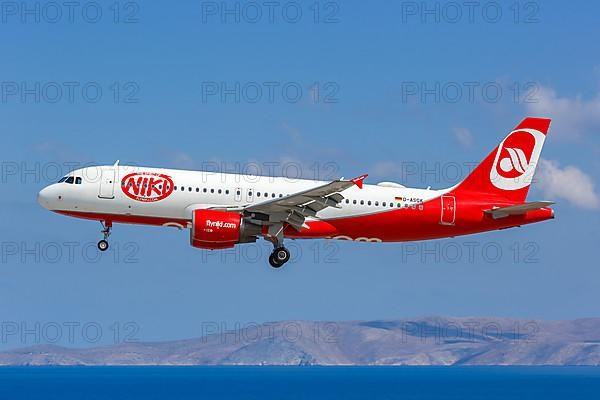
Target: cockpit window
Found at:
70, 180
78, 180
64, 178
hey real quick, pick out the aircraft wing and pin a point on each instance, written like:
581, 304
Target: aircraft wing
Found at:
296, 207
518, 209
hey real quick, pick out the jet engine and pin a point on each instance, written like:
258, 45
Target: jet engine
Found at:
214, 230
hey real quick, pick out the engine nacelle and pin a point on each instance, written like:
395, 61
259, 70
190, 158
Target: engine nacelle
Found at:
220, 229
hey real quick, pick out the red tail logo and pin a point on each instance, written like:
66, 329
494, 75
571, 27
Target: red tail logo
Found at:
515, 154
516, 159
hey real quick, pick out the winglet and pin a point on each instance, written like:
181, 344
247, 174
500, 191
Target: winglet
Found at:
359, 181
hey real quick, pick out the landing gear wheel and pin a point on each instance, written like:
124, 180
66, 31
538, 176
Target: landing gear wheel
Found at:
103, 245
274, 263
280, 256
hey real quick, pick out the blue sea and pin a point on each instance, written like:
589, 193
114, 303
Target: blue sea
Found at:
289, 383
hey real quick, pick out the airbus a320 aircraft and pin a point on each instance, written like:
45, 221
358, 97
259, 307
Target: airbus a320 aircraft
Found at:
223, 210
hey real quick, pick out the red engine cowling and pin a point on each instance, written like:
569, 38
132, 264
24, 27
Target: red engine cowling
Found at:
215, 229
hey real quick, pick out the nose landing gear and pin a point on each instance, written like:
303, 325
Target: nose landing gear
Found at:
103, 244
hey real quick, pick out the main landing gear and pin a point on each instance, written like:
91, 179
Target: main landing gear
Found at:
280, 254
106, 227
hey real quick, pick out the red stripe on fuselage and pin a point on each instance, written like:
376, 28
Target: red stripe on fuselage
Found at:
126, 219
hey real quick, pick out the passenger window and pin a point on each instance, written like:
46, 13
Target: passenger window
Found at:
182, 188
384, 204
376, 203
257, 194
227, 191
197, 190
212, 190
369, 202
362, 202
353, 201
190, 189
70, 180
78, 180
220, 191
273, 195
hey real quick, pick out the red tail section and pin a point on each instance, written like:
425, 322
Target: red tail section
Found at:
508, 170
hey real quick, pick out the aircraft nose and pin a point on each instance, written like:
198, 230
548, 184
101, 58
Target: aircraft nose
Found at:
47, 197
43, 197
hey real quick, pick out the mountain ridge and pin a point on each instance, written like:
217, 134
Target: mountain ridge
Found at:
430, 340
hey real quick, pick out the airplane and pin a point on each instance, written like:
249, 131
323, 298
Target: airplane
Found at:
223, 210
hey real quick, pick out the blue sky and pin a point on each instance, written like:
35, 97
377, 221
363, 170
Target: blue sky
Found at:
155, 110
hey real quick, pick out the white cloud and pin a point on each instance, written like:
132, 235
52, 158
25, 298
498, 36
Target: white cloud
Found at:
464, 137
571, 117
569, 183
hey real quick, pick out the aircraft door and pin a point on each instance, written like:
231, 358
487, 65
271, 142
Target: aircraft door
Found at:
448, 210
107, 184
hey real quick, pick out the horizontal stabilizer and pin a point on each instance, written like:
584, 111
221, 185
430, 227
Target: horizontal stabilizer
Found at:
518, 209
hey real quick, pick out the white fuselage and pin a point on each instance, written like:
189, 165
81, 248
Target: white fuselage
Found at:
100, 192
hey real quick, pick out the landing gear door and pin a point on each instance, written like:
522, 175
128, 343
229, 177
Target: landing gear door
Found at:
107, 184
448, 210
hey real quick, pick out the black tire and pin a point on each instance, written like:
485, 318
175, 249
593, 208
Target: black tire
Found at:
274, 263
103, 245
